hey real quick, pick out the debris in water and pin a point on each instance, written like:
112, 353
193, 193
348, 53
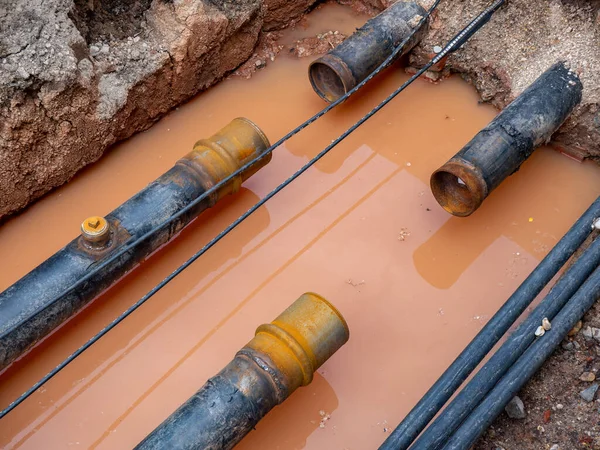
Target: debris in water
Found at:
353, 284
404, 233
324, 418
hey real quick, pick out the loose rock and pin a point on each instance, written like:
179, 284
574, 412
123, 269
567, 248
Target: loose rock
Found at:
589, 393
515, 409
546, 324
576, 328
587, 376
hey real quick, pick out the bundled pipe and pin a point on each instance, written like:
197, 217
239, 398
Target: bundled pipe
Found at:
526, 366
280, 358
469, 397
43, 299
344, 67
435, 398
497, 151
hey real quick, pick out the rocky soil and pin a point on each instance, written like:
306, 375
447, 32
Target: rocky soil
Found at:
76, 76
522, 40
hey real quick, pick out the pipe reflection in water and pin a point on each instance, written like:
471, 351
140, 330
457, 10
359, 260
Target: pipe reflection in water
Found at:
281, 357
497, 151
340, 70
39, 302
289, 426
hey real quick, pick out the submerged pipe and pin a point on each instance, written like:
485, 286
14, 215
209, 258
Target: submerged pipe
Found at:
42, 300
340, 70
526, 366
452, 416
441, 391
280, 358
497, 151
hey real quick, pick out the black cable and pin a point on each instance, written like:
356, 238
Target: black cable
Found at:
239, 220
526, 366
137, 241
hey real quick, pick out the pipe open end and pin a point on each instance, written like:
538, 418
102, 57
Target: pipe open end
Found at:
458, 187
330, 78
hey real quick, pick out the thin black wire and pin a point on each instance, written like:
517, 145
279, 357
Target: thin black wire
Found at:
240, 219
137, 241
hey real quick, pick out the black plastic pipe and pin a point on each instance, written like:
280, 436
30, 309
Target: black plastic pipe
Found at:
526, 366
418, 418
497, 151
340, 70
452, 416
43, 299
282, 357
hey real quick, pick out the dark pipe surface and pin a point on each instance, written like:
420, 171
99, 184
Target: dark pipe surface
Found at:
418, 418
526, 366
340, 70
497, 151
443, 426
282, 357
40, 301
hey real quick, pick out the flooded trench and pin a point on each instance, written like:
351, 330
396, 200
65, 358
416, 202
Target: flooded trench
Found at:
361, 228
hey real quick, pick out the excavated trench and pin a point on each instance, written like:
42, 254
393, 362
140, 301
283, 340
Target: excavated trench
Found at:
361, 228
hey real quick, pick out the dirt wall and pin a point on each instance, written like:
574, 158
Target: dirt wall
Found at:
78, 76
523, 39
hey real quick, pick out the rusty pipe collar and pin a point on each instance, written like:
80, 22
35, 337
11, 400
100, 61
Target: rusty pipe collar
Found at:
301, 339
459, 187
330, 77
232, 147
281, 357
345, 66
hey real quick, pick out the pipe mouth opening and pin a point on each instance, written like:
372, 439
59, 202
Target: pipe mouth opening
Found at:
326, 82
456, 195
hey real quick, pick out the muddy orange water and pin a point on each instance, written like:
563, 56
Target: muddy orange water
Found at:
360, 228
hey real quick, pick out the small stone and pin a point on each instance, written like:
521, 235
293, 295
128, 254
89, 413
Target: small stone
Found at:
587, 376
560, 406
260, 63
576, 328
136, 39
555, 447
546, 324
105, 48
587, 332
568, 346
515, 409
596, 333
437, 49
589, 393
596, 224
22, 73
540, 331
